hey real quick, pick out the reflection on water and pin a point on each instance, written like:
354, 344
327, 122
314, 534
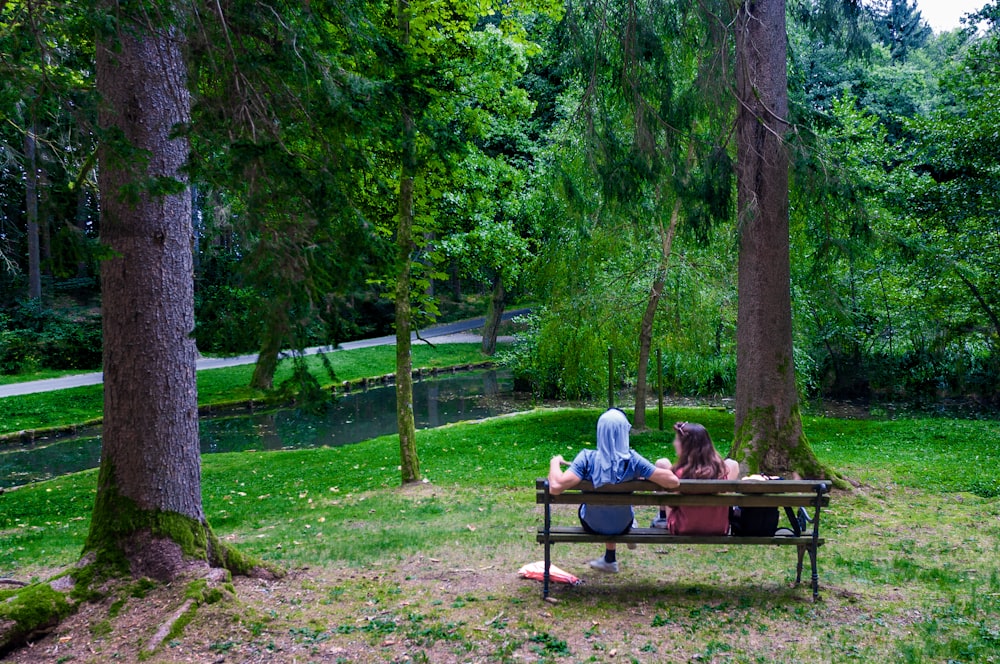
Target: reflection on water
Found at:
363, 415
355, 417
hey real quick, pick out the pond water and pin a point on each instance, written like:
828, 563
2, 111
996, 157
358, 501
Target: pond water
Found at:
354, 417
368, 414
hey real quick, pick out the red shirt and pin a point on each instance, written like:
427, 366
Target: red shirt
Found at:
698, 520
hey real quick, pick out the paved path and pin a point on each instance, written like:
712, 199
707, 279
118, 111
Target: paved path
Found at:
448, 333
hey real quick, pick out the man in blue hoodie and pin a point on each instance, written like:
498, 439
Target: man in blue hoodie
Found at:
613, 462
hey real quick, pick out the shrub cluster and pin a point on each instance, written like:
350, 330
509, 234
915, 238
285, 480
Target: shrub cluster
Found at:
34, 337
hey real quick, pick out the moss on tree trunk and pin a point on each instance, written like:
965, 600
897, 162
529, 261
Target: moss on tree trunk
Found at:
765, 443
125, 538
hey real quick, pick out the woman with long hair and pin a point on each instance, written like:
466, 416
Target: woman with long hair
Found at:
696, 460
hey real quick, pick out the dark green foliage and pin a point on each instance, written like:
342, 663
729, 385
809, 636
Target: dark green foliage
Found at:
304, 388
900, 27
47, 49
33, 337
227, 319
844, 25
557, 167
277, 128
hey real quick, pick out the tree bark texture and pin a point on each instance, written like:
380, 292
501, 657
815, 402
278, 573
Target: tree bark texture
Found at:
150, 461
494, 315
408, 461
768, 433
649, 317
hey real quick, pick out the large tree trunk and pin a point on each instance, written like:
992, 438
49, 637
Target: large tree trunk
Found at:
768, 434
408, 460
148, 509
649, 317
31, 205
494, 315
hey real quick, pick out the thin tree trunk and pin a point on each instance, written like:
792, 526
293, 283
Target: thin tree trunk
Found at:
768, 434
82, 212
44, 224
31, 206
267, 359
408, 460
649, 317
494, 315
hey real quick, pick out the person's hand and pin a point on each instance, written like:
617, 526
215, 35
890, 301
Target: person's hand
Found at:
560, 460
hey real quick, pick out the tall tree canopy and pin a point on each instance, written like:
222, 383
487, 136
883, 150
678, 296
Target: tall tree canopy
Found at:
441, 82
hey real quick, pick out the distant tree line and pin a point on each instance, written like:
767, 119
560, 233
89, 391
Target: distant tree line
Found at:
580, 158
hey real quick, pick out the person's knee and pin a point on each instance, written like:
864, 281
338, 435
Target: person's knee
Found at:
664, 463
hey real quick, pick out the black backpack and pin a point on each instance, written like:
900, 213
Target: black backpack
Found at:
761, 521
753, 521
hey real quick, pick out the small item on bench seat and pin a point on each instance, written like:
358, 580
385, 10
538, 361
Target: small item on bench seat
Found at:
755, 521
536, 572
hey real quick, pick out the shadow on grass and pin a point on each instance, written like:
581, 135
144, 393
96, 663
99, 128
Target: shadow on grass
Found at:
738, 595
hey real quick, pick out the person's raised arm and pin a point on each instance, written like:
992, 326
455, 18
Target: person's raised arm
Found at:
559, 479
665, 478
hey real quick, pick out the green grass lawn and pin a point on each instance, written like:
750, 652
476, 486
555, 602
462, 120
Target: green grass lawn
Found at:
217, 387
908, 573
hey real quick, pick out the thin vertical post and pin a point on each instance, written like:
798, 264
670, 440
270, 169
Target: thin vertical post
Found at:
611, 378
659, 382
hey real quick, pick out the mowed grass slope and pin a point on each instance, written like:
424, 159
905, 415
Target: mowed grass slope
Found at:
908, 573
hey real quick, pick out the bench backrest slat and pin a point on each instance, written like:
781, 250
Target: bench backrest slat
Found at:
673, 499
701, 487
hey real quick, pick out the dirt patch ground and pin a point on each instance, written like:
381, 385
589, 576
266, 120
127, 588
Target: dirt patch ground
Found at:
438, 610
891, 587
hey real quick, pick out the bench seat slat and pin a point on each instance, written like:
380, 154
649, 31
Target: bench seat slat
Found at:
660, 536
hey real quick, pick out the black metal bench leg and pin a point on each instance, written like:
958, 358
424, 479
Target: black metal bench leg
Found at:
545, 581
798, 566
814, 549
548, 544
815, 572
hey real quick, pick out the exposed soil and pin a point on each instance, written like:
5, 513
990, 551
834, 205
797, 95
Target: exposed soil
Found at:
670, 604
458, 610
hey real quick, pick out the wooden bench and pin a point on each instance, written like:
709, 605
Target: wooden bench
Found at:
795, 494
